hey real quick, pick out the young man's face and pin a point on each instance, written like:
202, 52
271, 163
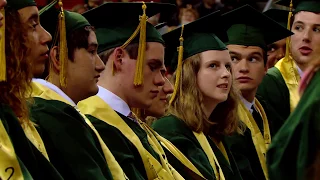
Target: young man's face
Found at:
2, 5
84, 71
305, 43
154, 70
276, 51
37, 39
160, 103
248, 66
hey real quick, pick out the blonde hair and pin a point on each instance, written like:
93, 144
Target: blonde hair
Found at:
190, 109
190, 9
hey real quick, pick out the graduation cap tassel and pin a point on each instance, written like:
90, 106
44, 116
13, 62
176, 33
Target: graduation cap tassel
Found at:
138, 78
178, 84
63, 49
137, 112
3, 67
288, 27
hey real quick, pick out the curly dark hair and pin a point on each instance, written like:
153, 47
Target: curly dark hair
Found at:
17, 87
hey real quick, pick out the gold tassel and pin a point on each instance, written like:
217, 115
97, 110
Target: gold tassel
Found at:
3, 67
63, 49
138, 77
178, 84
289, 28
137, 112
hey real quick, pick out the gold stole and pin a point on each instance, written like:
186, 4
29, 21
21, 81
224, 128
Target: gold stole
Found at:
289, 71
33, 135
48, 94
96, 107
261, 143
172, 149
204, 143
9, 165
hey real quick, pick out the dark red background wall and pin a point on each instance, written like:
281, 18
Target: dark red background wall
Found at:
68, 4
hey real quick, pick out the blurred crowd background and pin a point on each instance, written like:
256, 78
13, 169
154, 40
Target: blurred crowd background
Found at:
187, 10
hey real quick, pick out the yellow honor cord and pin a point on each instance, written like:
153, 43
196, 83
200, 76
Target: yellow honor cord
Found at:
3, 67
137, 112
63, 49
289, 28
138, 77
178, 84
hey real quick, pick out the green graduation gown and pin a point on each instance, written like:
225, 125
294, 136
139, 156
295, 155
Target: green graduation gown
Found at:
274, 119
275, 93
123, 150
182, 137
294, 148
71, 145
245, 155
32, 163
244, 151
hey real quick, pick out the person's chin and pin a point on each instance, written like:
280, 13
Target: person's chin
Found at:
159, 114
223, 98
38, 70
146, 103
93, 90
305, 59
245, 87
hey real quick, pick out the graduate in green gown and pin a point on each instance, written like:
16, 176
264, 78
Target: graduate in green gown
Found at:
10, 164
159, 104
202, 109
73, 145
133, 51
247, 43
277, 50
280, 86
157, 110
294, 151
19, 140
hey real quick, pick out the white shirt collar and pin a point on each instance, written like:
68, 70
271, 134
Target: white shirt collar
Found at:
300, 71
114, 101
247, 104
55, 89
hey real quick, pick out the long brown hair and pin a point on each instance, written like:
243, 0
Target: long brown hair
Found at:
190, 108
15, 90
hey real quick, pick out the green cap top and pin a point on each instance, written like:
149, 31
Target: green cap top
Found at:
199, 36
74, 21
278, 15
302, 5
19, 4
116, 22
247, 26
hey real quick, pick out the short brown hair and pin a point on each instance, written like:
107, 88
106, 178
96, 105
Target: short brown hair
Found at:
132, 50
75, 40
189, 107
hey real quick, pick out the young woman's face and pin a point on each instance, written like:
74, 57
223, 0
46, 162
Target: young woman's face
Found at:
214, 77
